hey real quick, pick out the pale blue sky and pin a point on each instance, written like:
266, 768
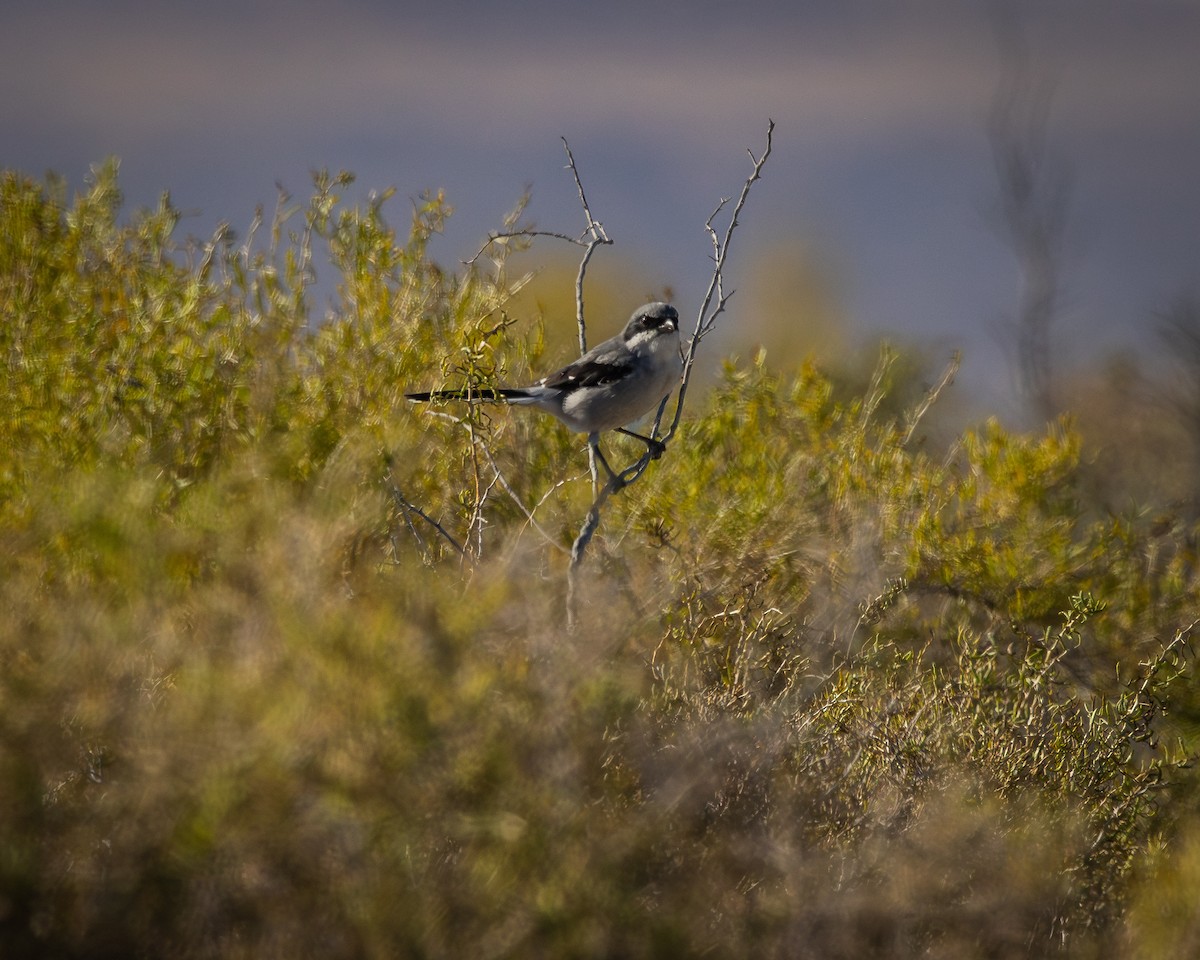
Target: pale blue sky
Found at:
881, 159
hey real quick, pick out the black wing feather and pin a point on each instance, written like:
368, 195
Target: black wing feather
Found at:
586, 372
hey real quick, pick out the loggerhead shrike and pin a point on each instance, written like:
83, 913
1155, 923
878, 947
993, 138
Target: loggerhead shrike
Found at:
611, 385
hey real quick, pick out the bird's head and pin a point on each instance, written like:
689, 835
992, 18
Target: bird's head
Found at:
652, 318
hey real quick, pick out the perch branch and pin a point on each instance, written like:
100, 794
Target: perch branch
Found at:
713, 306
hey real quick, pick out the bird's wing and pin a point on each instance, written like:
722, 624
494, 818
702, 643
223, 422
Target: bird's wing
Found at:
595, 368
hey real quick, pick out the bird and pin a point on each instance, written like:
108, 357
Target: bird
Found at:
611, 385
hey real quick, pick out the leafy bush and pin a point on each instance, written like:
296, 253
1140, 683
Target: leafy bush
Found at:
283, 670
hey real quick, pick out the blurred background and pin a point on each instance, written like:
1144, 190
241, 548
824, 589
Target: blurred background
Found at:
1015, 180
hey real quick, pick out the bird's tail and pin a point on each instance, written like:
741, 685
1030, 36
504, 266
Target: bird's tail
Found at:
472, 395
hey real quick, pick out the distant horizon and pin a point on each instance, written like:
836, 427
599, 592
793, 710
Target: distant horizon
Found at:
881, 169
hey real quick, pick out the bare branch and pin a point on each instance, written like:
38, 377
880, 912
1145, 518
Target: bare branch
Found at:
477, 521
529, 513
597, 236
579, 547
715, 299
593, 236
931, 397
596, 228
506, 235
407, 507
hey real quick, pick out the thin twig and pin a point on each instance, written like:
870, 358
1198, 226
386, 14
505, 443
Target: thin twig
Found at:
408, 507
479, 499
590, 525
705, 319
529, 514
596, 236
477, 520
595, 230
931, 397
498, 477
594, 226
504, 235
593, 236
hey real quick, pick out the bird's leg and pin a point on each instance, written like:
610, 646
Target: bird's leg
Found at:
656, 447
613, 478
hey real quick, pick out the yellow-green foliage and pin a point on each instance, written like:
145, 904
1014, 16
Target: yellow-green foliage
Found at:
283, 670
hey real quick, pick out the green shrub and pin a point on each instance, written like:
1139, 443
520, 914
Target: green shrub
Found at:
283, 669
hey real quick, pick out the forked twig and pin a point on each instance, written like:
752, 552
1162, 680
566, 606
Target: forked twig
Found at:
597, 236
408, 508
500, 236
709, 310
593, 236
530, 519
931, 397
